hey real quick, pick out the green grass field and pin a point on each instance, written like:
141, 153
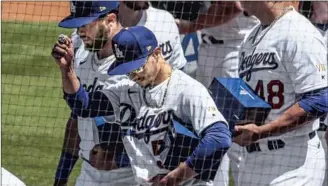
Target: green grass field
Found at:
33, 111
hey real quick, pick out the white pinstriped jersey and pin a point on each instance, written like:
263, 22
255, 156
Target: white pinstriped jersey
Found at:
235, 29
93, 76
284, 60
92, 73
163, 25
147, 123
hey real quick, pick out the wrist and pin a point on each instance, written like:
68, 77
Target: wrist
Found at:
66, 70
185, 171
266, 130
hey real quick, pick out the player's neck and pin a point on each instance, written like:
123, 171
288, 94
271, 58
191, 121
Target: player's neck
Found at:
163, 74
132, 18
272, 13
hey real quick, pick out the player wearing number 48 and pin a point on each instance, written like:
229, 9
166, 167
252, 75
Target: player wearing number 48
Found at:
279, 59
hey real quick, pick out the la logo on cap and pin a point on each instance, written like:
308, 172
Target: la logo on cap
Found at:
118, 52
102, 8
148, 48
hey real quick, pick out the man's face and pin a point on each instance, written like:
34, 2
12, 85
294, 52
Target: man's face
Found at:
94, 35
147, 74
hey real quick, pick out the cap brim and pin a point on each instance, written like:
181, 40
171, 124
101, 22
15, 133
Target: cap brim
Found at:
76, 22
126, 67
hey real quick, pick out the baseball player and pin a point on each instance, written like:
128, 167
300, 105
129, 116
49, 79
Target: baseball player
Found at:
91, 70
284, 60
8, 179
146, 104
92, 58
319, 18
161, 23
317, 13
224, 26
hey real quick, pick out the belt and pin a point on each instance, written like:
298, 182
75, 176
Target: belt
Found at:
207, 39
272, 144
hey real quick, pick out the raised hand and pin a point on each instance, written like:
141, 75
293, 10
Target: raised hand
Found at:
63, 52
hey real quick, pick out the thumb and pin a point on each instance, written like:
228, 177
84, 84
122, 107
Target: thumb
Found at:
164, 180
239, 128
69, 42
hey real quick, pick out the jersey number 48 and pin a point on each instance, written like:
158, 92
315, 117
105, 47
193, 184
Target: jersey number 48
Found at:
275, 93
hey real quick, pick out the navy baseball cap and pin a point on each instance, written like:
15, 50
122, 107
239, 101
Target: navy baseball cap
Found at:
84, 12
131, 47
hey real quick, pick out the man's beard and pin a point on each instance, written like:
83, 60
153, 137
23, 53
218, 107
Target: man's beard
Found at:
99, 42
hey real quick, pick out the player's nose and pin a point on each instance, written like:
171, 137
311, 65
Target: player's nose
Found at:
81, 30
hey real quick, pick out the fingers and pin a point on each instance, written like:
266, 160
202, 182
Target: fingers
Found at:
156, 180
63, 39
239, 128
60, 50
236, 139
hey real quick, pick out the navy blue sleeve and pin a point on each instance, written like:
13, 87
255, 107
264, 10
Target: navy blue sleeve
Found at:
89, 105
73, 116
65, 166
214, 144
315, 102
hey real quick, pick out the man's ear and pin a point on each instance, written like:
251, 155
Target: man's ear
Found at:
111, 18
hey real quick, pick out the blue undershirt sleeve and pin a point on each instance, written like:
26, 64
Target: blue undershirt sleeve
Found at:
315, 102
213, 145
89, 105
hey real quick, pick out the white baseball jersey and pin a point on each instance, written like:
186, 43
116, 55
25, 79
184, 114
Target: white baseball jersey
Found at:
163, 25
221, 59
235, 29
282, 61
93, 76
9, 179
146, 118
92, 73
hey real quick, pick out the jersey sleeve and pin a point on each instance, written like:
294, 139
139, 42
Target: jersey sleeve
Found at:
306, 62
114, 94
177, 60
200, 109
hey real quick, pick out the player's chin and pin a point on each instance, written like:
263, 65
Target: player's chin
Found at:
91, 48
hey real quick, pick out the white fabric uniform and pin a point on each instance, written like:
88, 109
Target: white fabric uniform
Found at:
152, 120
162, 24
8, 179
320, 132
93, 76
320, 15
286, 59
221, 59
